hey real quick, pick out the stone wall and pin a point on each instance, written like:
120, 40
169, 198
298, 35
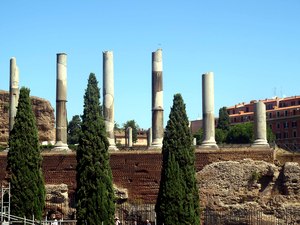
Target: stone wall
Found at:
136, 171
248, 186
44, 114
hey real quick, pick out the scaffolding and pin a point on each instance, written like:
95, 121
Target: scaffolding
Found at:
5, 204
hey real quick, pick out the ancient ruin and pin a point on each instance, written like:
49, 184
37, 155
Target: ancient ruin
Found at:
44, 114
260, 125
254, 190
208, 111
13, 91
157, 100
61, 103
108, 98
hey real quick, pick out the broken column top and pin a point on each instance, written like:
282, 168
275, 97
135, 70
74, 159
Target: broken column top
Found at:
157, 60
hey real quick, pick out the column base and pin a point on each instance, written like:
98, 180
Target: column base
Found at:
260, 143
155, 147
156, 144
209, 144
60, 146
113, 148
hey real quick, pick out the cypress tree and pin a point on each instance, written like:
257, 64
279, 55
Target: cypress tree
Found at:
178, 198
95, 194
24, 163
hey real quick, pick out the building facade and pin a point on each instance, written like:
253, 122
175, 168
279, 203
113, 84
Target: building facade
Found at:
283, 117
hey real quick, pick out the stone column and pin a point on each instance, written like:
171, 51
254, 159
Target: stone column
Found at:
157, 100
108, 97
149, 137
61, 100
13, 92
208, 110
260, 125
129, 137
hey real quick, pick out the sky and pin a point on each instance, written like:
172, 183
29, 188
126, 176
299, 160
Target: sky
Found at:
251, 46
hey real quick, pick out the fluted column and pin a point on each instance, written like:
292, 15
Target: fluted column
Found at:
208, 110
61, 100
260, 125
108, 97
157, 99
13, 92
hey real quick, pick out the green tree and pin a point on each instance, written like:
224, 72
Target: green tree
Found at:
135, 127
243, 133
24, 163
220, 135
240, 134
199, 136
74, 129
270, 135
223, 121
95, 194
178, 198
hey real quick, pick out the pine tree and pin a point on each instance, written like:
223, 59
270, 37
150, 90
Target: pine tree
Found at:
178, 198
95, 194
24, 163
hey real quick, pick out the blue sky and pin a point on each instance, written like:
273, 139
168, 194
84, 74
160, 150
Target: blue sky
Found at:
252, 46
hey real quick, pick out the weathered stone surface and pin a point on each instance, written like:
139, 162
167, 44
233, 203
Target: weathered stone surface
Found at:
43, 111
121, 194
247, 185
57, 199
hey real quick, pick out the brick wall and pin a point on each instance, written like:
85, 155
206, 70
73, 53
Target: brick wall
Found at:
137, 171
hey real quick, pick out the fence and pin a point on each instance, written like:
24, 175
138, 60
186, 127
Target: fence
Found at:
128, 213
252, 217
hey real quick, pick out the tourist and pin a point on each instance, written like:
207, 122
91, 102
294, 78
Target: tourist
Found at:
117, 221
147, 222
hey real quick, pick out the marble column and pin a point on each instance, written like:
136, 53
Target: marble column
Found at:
157, 100
129, 137
61, 100
149, 137
108, 97
208, 111
260, 125
13, 92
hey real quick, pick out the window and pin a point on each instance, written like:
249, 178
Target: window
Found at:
278, 135
247, 109
293, 103
294, 112
242, 119
285, 113
270, 115
278, 114
285, 124
278, 125
285, 135
294, 123
294, 133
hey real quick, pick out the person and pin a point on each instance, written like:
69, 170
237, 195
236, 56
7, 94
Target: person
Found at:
147, 222
117, 221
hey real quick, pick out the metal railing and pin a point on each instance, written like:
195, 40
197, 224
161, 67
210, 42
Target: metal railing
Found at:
252, 217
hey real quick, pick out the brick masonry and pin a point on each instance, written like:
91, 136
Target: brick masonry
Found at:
137, 171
